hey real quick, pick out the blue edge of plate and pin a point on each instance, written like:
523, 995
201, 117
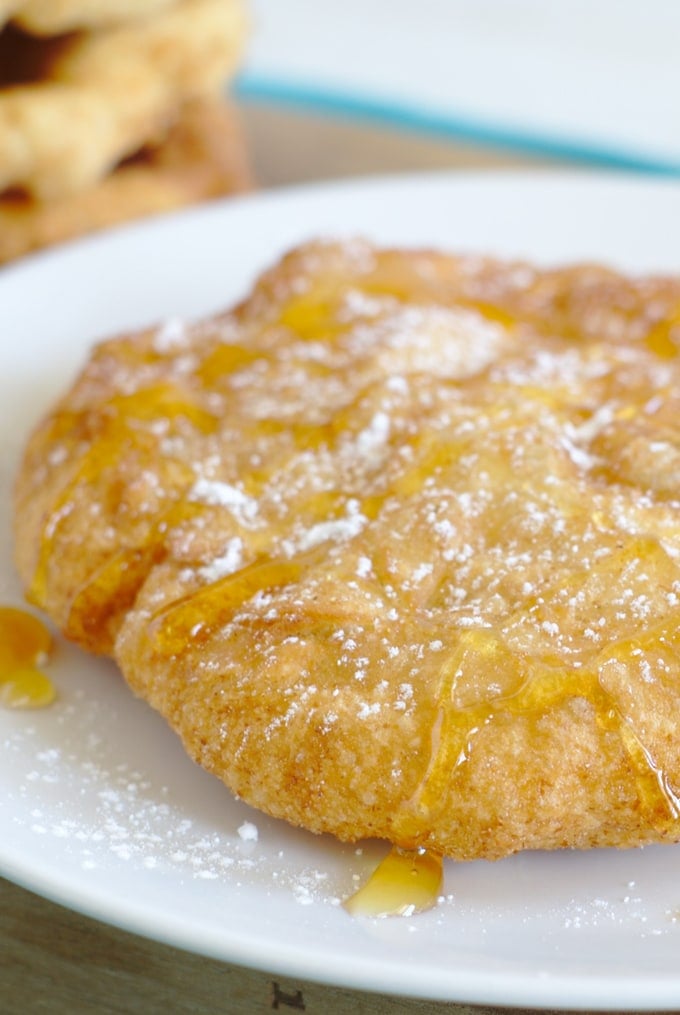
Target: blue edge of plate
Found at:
454, 126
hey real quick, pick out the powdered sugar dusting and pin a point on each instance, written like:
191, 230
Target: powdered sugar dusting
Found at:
108, 813
248, 832
215, 492
336, 529
231, 560
172, 334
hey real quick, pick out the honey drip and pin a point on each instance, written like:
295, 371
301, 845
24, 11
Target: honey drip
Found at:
664, 337
25, 643
200, 614
533, 688
404, 883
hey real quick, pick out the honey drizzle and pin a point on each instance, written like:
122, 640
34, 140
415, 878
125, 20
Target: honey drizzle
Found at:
313, 316
404, 883
25, 643
201, 613
537, 691
664, 338
122, 427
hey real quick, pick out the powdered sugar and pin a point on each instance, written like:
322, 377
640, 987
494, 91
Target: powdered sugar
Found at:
336, 529
216, 492
248, 832
172, 334
231, 560
78, 791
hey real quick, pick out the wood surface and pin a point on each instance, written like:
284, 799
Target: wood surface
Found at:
57, 962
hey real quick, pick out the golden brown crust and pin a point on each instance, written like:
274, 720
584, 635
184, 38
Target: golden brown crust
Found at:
203, 156
394, 547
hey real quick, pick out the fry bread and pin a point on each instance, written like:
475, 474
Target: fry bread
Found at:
101, 96
203, 156
394, 547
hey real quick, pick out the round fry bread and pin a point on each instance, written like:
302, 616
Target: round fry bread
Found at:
394, 547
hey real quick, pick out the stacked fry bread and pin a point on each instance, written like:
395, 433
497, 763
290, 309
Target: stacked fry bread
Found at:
113, 109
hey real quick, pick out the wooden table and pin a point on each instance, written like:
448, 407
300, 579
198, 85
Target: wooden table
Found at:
56, 961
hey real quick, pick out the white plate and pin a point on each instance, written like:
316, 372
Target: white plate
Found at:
99, 807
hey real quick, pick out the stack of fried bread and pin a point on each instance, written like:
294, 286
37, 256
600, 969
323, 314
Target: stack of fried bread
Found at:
394, 546
110, 110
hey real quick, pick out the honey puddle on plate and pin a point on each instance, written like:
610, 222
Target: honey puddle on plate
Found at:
404, 883
25, 645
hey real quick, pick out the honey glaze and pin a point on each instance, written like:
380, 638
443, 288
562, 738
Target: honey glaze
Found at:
404, 883
25, 643
204, 612
664, 338
533, 688
124, 431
